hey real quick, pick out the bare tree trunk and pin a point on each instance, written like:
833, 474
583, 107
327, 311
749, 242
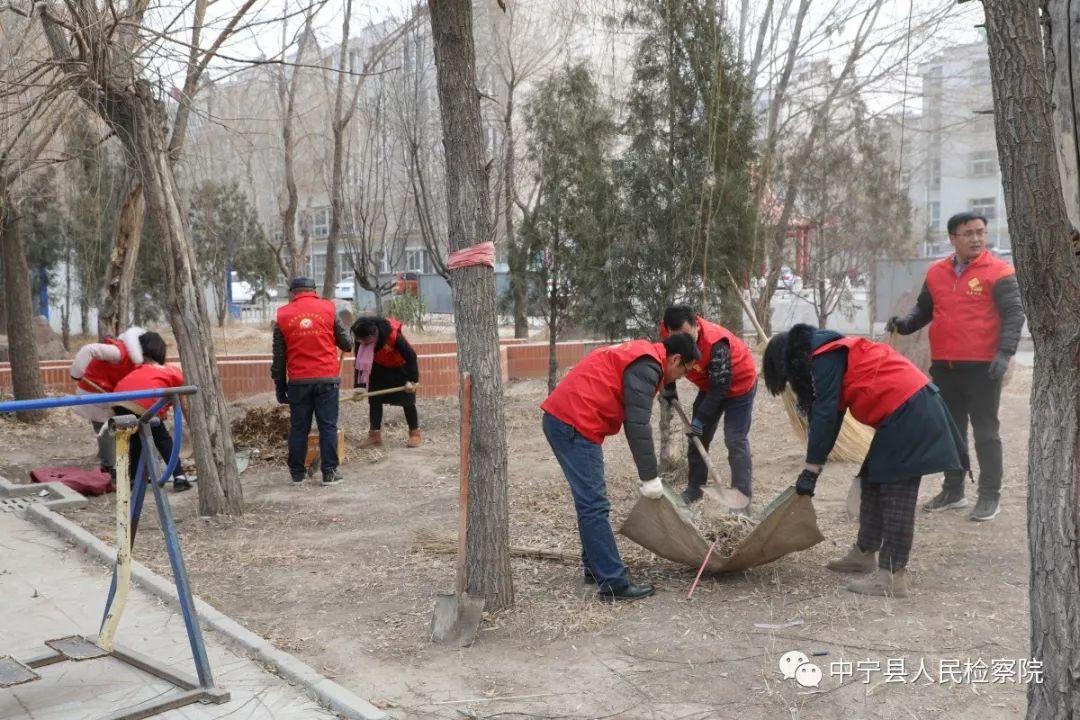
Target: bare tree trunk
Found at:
84, 315
65, 309
469, 214
219, 483
1050, 285
1063, 68
553, 325
117, 306
22, 350
667, 446
516, 256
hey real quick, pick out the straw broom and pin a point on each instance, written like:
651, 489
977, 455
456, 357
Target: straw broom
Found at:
852, 443
444, 542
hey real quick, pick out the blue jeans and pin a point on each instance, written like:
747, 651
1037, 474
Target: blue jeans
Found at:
320, 400
737, 413
582, 462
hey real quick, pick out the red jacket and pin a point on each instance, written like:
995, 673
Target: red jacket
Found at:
307, 324
387, 356
102, 376
150, 377
743, 370
878, 379
590, 397
966, 325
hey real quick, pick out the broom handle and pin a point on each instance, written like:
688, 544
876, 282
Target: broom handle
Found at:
373, 393
463, 471
705, 455
762, 336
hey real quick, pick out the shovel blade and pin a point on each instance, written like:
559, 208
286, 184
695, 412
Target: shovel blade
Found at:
730, 497
456, 619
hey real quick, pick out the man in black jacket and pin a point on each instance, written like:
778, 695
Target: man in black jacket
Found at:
972, 302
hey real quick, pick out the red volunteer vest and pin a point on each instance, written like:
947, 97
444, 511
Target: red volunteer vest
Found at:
966, 325
878, 379
307, 323
387, 356
590, 397
151, 377
105, 375
743, 370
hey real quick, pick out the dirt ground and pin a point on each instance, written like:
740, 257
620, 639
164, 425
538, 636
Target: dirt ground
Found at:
331, 574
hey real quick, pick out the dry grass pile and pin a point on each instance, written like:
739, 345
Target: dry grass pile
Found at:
264, 428
717, 524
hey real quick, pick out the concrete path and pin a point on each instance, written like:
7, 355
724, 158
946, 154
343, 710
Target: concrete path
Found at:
48, 591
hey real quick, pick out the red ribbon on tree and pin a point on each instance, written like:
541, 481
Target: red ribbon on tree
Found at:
479, 254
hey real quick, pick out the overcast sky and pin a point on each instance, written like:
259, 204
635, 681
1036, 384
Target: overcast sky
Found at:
265, 38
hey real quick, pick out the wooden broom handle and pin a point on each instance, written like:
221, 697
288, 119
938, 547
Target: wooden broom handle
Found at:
463, 472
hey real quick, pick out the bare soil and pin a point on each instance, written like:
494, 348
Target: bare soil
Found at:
331, 574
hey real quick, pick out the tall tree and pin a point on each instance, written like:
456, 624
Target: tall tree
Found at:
685, 171
476, 323
1049, 275
102, 51
228, 238
570, 134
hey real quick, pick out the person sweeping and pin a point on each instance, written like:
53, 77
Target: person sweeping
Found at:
830, 375
727, 383
611, 388
386, 360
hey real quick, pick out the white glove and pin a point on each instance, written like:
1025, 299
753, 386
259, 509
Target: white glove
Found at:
653, 489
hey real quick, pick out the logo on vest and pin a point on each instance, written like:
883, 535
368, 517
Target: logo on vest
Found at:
306, 323
974, 287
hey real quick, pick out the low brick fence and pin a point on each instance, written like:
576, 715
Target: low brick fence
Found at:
246, 375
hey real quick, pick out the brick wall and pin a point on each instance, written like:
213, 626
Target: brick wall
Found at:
244, 375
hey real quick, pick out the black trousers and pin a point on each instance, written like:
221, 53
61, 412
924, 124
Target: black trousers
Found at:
321, 401
737, 414
375, 410
887, 521
972, 396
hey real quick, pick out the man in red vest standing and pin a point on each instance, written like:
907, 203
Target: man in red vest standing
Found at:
611, 388
307, 372
972, 303
830, 375
727, 383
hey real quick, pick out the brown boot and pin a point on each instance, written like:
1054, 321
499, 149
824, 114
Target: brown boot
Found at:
373, 439
884, 583
856, 561
414, 439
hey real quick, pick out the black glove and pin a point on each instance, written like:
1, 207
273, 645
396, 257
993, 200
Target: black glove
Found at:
895, 324
998, 366
696, 429
282, 394
805, 483
669, 393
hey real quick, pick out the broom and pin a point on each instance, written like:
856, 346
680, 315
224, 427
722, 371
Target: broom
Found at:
444, 542
852, 443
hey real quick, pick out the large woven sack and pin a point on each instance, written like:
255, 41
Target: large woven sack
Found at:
787, 525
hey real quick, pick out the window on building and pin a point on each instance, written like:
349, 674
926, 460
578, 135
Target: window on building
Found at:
277, 237
987, 207
933, 215
354, 60
382, 262
416, 260
320, 222
935, 174
318, 264
983, 163
408, 55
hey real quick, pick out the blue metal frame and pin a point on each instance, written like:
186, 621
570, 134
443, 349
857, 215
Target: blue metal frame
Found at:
149, 474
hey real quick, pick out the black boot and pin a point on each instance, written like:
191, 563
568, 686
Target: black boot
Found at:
692, 494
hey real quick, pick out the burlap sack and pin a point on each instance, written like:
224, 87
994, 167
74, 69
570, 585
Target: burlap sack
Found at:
788, 524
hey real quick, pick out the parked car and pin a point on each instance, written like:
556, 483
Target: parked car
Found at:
346, 289
408, 283
243, 293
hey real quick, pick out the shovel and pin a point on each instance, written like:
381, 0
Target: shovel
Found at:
729, 496
374, 393
457, 616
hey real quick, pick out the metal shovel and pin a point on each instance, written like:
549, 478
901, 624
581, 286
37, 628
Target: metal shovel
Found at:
729, 496
457, 616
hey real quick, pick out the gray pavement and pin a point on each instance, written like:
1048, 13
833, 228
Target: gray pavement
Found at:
48, 591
